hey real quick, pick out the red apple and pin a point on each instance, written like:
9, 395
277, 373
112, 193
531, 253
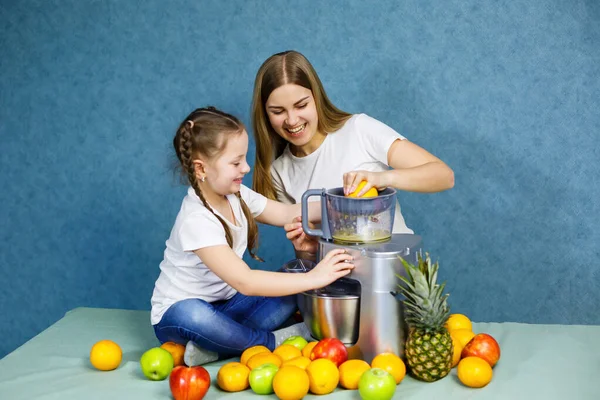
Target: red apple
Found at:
483, 346
189, 383
332, 349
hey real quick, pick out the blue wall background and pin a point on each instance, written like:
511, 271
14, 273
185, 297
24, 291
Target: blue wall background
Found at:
506, 92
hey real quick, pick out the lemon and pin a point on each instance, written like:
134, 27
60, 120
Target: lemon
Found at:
106, 355
370, 193
474, 372
233, 377
458, 321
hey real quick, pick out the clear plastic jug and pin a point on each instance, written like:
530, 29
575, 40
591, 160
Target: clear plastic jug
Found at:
350, 220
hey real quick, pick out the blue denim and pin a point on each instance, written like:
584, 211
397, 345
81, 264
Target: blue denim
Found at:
226, 327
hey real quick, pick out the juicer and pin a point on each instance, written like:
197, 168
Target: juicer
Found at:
361, 309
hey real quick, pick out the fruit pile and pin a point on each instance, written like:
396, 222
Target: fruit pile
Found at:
297, 367
291, 370
475, 354
437, 342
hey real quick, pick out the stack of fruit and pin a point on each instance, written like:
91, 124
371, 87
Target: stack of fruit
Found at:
158, 363
475, 354
297, 367
186, 383
438, 341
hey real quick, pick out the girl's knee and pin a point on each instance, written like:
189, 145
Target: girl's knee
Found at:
194, 312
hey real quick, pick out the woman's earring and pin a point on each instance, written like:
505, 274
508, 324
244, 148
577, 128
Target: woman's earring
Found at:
203, 179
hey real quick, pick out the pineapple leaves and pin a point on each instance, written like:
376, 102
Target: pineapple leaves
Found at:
425, 304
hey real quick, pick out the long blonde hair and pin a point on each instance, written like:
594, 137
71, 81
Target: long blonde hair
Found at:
278, 70
204, 132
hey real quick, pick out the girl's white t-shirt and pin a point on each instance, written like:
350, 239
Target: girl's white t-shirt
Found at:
183, 275
361, 144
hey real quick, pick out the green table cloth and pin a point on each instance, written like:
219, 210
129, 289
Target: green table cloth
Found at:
538, 362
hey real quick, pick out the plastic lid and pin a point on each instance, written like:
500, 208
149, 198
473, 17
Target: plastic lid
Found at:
342, 288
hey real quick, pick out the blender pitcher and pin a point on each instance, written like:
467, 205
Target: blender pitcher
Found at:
352, 220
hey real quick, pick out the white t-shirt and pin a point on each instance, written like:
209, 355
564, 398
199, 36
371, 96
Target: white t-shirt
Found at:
361, 144
183, 275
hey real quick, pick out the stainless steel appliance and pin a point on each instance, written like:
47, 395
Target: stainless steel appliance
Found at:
361, 309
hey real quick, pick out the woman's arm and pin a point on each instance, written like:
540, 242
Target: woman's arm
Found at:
417, 170
414, 169
223, 261
305, 246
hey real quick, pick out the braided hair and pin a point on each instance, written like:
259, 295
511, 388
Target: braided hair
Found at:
204, 132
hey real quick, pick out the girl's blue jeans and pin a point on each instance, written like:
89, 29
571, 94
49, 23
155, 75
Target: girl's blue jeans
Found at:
226, 327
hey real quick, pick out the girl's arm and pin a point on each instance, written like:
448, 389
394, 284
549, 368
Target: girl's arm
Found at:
223, 261
279, 214
414, 170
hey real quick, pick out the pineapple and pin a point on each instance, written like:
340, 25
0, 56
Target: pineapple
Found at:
428, 348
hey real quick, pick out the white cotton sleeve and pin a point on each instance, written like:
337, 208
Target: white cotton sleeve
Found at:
376, 137
256, 202
201, 229
280, 193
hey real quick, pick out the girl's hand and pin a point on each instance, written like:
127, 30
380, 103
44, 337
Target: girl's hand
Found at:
300, 240
336, 264
373, 179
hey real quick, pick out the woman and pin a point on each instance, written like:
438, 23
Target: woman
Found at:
303, 142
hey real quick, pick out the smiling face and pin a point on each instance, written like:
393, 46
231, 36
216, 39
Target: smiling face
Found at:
223, 173
293, 115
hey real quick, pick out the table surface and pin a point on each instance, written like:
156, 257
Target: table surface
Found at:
538, 362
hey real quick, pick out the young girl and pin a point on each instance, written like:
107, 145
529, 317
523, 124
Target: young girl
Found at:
303, 142
206, 296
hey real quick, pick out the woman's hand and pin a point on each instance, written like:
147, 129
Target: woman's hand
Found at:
300, 240
374, 179
336, 264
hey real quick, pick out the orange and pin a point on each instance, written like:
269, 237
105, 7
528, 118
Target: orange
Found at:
391, 363
263, 358
301, 362
308, 349
176, 351
250, 351
458, 321
474, 372
106, 355
463, 336
287, 352
291, 383
351, 371
323, 376
370, 193
233, 377
456, 352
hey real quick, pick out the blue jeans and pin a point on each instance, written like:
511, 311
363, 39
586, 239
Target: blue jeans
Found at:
226, 327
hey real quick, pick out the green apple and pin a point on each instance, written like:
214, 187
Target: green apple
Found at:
261, 378
156, 363
376, 384
297, 341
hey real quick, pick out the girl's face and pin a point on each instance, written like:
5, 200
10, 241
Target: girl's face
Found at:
223, 173
293, 114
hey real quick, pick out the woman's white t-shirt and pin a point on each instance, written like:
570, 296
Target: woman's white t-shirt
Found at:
361, 144
183, 275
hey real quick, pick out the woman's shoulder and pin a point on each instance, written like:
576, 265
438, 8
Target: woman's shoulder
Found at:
284, 159
357, 122
365, 125
365, 120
